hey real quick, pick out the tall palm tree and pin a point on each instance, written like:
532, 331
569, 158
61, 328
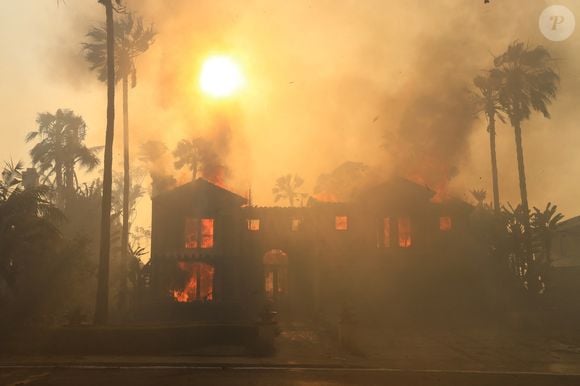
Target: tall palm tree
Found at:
60, 149
286, 188
488, 99
102, 302
529, 83
131, 40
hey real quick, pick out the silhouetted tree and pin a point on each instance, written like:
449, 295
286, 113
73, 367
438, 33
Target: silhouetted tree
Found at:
131, 40
488, 99
102, 302
479, 196
287, 188
199, 156
343, 182
60, 149
26, 222
513, 223
545, 223
529, 83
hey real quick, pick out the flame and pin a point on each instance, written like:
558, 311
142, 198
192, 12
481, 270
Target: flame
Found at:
438, 182
199, 285
198, 233
404, 227
207, 232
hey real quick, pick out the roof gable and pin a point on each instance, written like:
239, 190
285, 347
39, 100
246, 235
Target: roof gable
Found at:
202, 187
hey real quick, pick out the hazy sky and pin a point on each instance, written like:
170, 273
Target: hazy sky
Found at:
327, 81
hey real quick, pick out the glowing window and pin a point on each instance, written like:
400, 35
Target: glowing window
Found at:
404, 227
254, 224
207, 232
341, 223
296, 224
195, 282
198, 233
445, 223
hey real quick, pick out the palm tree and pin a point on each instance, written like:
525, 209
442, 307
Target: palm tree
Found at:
102, 302
131, 40
529, 83
199, 156
25, 215
61, 149
488, 99
286, 188
479, 196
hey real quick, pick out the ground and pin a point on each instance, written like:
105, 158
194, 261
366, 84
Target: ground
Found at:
312, 356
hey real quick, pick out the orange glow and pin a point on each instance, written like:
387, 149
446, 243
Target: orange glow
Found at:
445, 223
434, 174
199, 286
404, 225
207, 232
254, 224
196, 239
325, 197
341, 223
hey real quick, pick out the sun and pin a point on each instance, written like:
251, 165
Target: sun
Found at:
220, 76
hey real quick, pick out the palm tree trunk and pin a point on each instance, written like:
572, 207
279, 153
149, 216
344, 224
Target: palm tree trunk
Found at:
525, 207
102, 304
59, 185
126, 189
494, 176
69, 182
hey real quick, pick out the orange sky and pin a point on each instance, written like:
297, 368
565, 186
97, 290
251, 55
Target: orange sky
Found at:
327, 82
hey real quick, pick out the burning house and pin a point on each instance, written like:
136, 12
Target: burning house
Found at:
215, 257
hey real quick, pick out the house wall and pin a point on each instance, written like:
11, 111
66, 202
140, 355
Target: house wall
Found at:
326, 266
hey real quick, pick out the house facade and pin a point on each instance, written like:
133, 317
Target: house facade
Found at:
215, 257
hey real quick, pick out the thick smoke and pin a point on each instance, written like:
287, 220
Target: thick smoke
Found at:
383, 83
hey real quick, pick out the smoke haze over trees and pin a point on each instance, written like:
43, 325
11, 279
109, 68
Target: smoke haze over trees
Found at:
348, 92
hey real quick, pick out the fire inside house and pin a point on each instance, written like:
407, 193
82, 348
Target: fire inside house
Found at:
215, 256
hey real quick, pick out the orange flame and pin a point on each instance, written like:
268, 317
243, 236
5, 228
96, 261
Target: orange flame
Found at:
199, 286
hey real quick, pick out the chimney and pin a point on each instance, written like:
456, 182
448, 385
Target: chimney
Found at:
30, 178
